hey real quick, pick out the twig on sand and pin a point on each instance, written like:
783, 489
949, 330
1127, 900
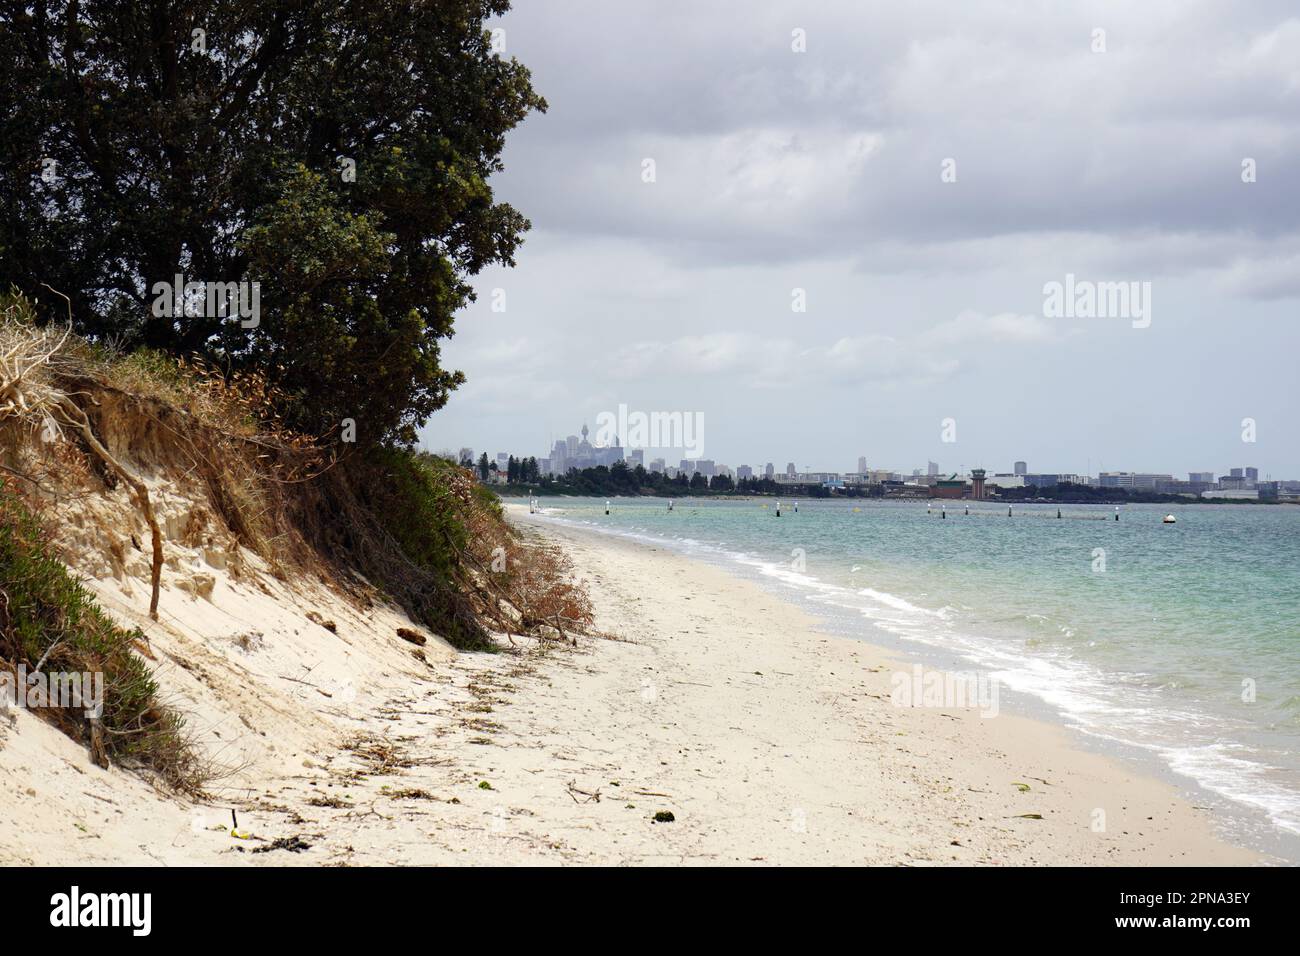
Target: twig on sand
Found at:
591, 797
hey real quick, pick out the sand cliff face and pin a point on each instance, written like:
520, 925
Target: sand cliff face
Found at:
267, 667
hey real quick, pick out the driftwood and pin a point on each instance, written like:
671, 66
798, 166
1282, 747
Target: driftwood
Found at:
74, 417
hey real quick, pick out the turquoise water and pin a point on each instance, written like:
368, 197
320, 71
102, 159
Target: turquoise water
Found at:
1148, 634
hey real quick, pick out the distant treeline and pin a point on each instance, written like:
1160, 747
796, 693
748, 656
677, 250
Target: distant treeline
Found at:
622, 479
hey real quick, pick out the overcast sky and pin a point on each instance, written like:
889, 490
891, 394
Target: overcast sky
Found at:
822, 170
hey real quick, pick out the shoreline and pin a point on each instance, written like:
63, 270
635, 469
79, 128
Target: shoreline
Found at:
919, 774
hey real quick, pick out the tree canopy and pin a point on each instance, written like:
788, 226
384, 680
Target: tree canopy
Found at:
336, 153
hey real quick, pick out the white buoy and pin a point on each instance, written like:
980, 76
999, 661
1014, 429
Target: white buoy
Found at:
606, 507
778, 509
1117, 512
1169, 519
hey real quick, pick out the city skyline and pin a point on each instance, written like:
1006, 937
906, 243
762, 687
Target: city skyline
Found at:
864, 463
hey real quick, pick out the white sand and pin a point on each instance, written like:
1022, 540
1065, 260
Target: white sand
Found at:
770, 742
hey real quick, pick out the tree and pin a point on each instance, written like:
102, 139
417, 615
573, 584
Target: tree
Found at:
337, 153
483, 467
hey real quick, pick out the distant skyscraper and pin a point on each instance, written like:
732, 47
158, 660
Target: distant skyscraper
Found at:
658, 464
862, 464
1236, 473
932, 468
790, 470
1021, 468
769, 470
1252, 474
1205, 477
744, 471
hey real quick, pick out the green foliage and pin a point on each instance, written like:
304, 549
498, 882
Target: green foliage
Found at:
338, 351
420, 510
130, 152
423, 507
46, 615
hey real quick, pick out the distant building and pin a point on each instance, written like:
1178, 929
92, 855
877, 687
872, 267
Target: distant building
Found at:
768, 470
862, 464
950, 487
1246, 494
1252, 474
503, 461
636, 457
744, 471
466, 455
932, 468
1138, 481
1236, 473
1007, 481
574, 452
1202, 477
790, 470
658, 465
977, 484
1020, 468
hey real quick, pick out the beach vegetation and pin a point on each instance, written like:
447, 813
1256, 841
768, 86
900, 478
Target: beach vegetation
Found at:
51, 625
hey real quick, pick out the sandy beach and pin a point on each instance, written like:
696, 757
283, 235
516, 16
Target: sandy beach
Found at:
768, 741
